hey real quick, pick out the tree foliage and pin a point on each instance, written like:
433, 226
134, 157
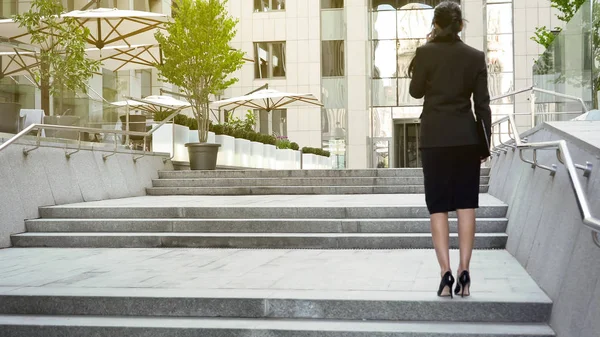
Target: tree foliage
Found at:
567, 9
197, 56
62, 62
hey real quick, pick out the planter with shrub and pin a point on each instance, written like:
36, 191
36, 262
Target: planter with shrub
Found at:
242, 148
314, 158
226, 155
171, 136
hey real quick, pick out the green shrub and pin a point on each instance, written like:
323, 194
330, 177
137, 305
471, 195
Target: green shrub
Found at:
283, 143
192, 123
294, 146
160, 116
239, 133
181, 120
218, 129
316, 151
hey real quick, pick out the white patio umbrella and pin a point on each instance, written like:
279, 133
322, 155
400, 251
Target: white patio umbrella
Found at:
107, 26
152, 104
267, 99
127, 57
118, 27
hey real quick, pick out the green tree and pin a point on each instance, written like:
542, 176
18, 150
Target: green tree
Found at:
62, 63
197, 56
567, 9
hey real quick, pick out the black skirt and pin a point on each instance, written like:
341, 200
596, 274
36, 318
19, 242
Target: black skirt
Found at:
451, 178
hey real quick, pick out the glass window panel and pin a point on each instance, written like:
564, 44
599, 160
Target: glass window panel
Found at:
326, 4
384, 25
382, 122
404, 97
261, 5
385, 92
421, 3
279, 122
332, 58
334, 93
384, 58
499, 18
278, 5
333, 25
406, 112
263, 122
334, 121
500, 83
261, 60
406, 52
414, 23
146, 81
500, 53
278, 59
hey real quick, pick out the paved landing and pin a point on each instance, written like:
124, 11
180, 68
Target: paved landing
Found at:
370, 200
345, 274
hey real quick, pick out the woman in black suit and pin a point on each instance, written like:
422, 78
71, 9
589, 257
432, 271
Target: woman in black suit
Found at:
448, 73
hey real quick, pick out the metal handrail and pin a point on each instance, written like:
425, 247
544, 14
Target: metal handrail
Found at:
79, 130
564, 156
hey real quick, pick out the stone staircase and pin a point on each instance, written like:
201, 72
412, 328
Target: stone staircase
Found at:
294, 182
340, 263
397, 221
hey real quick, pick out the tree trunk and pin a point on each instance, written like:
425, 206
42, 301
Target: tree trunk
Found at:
45, 88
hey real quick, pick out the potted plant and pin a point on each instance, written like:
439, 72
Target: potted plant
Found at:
198, 59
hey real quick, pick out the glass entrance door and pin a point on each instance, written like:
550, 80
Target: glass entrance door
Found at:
406, 141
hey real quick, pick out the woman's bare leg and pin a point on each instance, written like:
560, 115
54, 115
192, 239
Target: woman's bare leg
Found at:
440, 233
466, 237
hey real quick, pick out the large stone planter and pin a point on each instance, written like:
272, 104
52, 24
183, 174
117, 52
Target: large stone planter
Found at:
203, 156
163, 138
310, 161
257, 154
226, 155
269, 157
242, 152
297, 160
286, 159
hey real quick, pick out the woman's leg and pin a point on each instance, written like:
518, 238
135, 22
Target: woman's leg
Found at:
466, 237
440, 234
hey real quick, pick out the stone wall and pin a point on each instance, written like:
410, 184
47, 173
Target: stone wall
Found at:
546, 233
46, 177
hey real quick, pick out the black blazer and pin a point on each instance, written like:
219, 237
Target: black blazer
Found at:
447, 74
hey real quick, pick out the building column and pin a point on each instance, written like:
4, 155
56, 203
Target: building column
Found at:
358, 92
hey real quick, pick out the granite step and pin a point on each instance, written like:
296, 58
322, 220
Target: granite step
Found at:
98, 326
484, 225
248, 240
278, 304
106, 210
407, 172
291, 190
293, 182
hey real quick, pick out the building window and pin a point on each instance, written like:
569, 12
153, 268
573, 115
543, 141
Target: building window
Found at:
327, 4
269, 59
269, 5
332, 58
272, 123
499, 48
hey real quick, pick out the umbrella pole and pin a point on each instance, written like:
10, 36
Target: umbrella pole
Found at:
127, 126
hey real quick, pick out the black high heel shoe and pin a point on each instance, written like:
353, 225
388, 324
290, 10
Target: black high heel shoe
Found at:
463, 286
447, 281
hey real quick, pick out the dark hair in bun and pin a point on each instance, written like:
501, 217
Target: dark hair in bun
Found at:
447, 22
